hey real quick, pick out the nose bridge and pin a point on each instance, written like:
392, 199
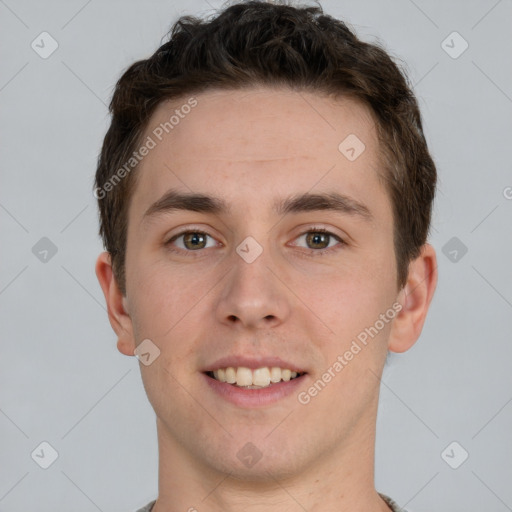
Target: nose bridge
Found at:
250, 263
251, 275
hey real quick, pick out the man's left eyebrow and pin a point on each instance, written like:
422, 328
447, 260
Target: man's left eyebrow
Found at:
202, 203
324, 201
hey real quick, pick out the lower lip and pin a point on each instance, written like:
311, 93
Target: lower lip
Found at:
243, 397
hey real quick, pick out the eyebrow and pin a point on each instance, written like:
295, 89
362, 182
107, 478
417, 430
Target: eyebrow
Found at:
307, 202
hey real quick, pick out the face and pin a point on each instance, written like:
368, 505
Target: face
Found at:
282, 263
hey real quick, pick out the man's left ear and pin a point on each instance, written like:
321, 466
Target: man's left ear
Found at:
415, 298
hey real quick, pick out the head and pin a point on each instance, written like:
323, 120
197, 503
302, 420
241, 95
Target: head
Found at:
305, 51
266, 123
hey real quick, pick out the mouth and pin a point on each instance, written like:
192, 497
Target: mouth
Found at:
258, 378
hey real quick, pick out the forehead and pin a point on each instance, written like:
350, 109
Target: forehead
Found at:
264, 123
259, 140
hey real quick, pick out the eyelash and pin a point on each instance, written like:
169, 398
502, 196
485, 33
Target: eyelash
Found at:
312, 252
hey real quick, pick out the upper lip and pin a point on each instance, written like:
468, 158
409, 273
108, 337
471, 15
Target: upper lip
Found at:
253, 363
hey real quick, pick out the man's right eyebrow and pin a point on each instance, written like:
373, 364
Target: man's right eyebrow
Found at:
173, 200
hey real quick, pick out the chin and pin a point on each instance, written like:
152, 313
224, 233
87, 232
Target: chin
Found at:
260, 461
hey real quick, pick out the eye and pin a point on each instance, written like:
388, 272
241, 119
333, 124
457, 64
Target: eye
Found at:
320, 240
190, 240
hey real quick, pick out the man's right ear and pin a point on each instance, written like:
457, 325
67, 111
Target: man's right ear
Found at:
118, 315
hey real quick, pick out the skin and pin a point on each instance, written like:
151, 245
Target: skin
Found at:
250, 147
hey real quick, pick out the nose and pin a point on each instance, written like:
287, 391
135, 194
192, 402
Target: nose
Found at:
253, 294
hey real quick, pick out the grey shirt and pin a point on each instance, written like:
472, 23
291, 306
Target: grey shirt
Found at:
394, 506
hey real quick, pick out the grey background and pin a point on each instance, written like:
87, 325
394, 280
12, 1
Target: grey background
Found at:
61, 378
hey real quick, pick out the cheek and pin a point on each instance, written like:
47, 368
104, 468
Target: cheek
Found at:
351, 294
354, 353
349, 305
164, 300
152, 300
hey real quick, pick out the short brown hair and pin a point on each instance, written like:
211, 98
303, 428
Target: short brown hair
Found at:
260, 43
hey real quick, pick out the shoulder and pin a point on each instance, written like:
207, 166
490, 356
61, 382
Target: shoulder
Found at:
392, 504
147, 508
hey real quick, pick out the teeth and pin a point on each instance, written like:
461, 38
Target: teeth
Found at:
275, 374
230, 376
243, 377
259, 378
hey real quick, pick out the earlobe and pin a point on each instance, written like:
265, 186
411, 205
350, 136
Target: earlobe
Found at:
415, 298
118, 315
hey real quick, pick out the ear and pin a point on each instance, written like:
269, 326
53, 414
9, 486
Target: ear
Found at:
118, 315
415, 298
